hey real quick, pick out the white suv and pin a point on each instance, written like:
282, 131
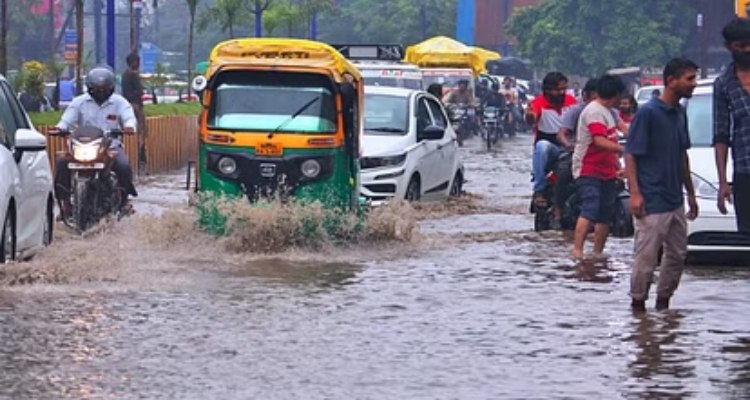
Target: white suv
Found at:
26, 202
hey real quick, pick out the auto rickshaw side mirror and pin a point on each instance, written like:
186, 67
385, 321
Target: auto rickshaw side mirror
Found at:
199, 85
349, 103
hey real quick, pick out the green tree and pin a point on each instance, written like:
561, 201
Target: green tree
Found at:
225, 13
588, 37
192, 7
400, 21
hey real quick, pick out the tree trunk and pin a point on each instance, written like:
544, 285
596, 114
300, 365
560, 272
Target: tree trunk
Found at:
79, 45
51, 21
4, 37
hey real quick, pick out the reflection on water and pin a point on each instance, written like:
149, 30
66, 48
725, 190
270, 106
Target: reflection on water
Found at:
480, 307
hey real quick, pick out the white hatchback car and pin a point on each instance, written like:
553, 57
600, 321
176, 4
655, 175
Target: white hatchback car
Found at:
711, 231
26, 202
409, 148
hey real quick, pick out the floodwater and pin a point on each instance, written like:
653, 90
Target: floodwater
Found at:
472, 306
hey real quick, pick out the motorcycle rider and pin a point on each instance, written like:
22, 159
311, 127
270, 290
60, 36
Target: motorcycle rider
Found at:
103, 109
545, 115
460, 95
494, 98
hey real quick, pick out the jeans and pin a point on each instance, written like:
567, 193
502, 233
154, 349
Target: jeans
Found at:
544, 151
121, 167
741, 189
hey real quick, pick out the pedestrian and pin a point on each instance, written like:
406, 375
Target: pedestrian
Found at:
627, 109
595, 165
658, 168
731, 125
132, 91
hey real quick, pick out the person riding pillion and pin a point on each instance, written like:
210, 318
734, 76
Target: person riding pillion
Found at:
102, 108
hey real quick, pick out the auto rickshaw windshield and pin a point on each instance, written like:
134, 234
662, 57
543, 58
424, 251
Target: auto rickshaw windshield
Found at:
266, 101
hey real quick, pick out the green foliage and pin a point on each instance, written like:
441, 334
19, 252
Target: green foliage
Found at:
395, 21
588, 37
227, 14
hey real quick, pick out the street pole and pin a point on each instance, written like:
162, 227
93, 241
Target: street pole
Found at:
97, 31
314, 26
258, 19
138, 15
703, 50
4, 37
79, 46
111, 33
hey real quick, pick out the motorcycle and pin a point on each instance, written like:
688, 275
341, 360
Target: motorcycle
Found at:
492, 128
94, 189
622, 224
464, 121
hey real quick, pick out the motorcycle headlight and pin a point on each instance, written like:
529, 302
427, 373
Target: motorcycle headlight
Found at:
385, 161
310, 168
703, 188
86, 152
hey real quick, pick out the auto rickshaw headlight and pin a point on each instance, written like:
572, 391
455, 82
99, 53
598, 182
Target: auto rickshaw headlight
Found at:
227, 165
310, 168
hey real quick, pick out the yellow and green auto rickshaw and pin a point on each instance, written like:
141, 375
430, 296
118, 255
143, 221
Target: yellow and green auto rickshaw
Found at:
281, 119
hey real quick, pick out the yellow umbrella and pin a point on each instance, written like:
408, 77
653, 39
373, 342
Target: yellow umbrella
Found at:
444, 52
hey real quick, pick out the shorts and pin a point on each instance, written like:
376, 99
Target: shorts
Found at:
598, 199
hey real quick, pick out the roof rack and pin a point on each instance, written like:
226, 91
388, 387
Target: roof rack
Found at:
381, 52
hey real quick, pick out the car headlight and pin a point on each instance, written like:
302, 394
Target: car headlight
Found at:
381, 162
703, 188
310, 168
227, 165
86, 152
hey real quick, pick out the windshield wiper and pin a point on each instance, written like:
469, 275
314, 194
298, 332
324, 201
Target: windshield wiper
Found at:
293, 116
386, 129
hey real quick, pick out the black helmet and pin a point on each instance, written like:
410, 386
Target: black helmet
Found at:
101, 83
463, 81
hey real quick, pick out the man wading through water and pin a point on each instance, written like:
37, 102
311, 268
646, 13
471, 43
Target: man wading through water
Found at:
658, 168
731, 125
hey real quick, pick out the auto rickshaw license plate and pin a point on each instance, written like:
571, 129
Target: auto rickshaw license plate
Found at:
269, 149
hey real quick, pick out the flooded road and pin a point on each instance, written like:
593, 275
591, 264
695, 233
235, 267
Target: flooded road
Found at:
474, 306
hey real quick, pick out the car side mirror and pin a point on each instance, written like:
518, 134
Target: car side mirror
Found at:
28, 140
432, 132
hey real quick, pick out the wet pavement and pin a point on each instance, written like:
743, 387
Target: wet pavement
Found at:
477, 306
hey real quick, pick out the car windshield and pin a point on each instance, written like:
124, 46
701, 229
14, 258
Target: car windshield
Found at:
265, 101
386, 115
700, 120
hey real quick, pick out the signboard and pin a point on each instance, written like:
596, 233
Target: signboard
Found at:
70, 46
383, 52
150, 55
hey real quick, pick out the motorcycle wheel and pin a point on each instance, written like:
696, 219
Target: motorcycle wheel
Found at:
80, 215
488, 137
622, 226
541, 219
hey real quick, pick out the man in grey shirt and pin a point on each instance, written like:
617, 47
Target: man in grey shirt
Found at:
103, 109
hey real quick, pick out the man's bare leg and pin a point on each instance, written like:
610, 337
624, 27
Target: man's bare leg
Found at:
582, 229
601, 231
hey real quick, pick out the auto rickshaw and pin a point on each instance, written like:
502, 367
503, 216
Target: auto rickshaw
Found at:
281, 119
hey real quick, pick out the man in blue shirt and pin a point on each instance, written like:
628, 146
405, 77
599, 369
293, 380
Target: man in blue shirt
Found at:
657, 168
732, 122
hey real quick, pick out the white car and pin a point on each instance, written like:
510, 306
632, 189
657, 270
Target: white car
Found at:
26, 201
409, 147
711, 231
645, 93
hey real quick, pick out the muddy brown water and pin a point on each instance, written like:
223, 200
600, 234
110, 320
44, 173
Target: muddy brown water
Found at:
473, 306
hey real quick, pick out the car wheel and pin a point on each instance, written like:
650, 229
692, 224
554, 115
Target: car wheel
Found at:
413, 191
49, 223
457, 185
8, 238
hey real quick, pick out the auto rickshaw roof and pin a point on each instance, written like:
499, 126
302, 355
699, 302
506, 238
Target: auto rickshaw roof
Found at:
444, 52
274, 52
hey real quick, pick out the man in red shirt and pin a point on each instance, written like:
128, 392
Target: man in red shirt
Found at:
595, 164
545, 115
